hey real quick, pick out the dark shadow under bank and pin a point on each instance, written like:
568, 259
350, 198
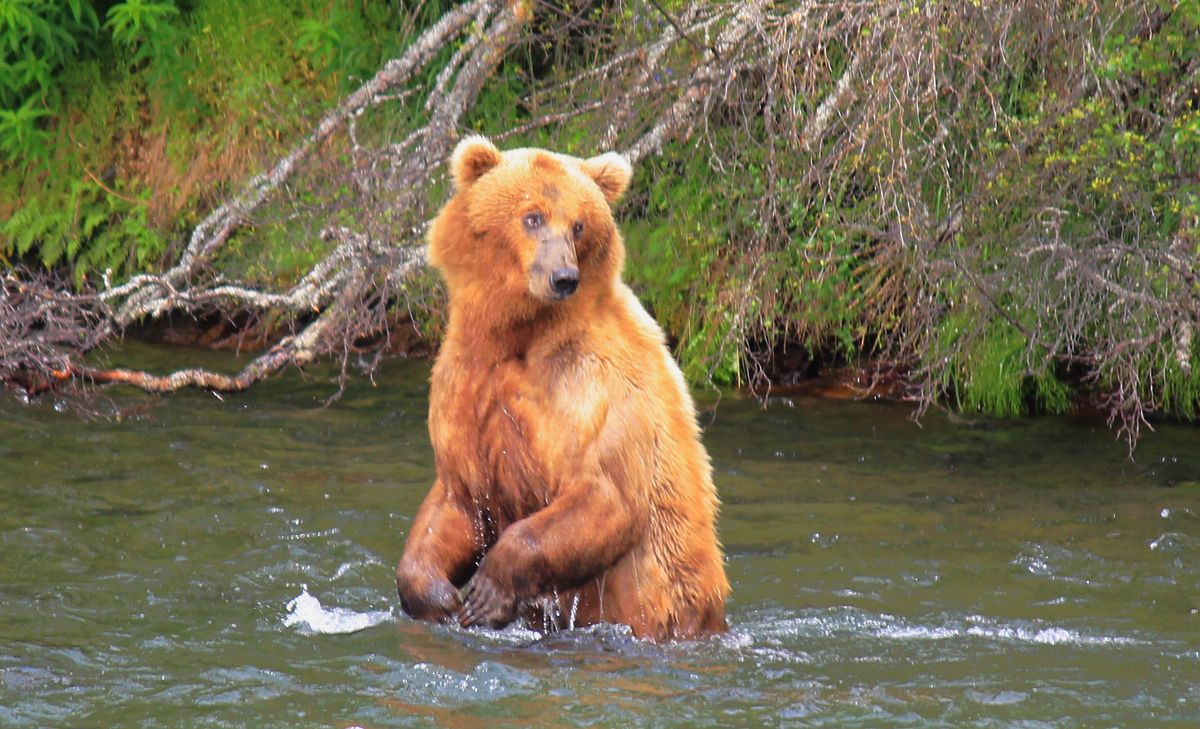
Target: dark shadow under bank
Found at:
246, 332
789, 370
782, 371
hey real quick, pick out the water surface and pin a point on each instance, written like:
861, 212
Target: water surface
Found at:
193, 561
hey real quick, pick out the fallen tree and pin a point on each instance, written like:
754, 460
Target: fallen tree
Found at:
890, 166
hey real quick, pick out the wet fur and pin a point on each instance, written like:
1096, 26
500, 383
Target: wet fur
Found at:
569, 465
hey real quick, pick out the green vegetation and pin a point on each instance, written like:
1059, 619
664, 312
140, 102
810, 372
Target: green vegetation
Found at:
122, 123
1020, 225
1073, 264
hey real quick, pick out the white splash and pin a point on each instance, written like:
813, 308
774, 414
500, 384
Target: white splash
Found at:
849, 622
306, 611
1047, 636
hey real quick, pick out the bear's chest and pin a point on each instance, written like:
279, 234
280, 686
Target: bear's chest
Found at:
489, 431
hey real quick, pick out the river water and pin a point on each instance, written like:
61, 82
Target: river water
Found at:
192, 561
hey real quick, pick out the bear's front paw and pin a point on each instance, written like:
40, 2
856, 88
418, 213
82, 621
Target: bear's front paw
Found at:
436, 601
486, 603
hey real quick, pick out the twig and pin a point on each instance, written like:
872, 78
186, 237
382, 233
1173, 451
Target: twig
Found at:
683, 33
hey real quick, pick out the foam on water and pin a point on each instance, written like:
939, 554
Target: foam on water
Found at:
843, 622
1046, 636
305, 610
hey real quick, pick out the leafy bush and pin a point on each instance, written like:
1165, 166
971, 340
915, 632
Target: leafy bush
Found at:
142, 26
169, 110
38, 38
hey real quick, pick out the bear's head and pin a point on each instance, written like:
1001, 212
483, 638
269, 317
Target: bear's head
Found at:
527, 228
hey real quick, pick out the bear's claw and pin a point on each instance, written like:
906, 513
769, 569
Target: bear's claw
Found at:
484, 603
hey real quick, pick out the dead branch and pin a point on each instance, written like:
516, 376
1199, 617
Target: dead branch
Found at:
747, 18
155, 294
332, 290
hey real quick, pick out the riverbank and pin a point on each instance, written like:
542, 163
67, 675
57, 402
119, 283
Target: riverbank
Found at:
996, 201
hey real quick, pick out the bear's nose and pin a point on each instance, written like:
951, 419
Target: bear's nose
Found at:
564, 281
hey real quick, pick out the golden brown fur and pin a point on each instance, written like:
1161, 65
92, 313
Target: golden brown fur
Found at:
569, 465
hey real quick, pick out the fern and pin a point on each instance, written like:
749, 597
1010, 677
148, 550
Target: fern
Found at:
20, 137
37, 39
35, 226
142, 26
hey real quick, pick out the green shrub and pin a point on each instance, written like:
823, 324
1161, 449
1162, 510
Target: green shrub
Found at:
170, 110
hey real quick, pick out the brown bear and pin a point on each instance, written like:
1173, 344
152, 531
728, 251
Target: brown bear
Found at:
572, 487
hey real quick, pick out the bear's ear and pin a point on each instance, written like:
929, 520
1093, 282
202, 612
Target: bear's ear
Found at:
612, 172
473, 157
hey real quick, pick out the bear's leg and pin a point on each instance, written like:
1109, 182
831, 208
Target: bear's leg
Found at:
440, 553
583, 532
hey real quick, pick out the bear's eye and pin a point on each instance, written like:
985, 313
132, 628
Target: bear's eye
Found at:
534, 220
577, 228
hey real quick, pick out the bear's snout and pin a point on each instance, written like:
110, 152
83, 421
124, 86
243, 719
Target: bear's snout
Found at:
554, 273
564, 281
